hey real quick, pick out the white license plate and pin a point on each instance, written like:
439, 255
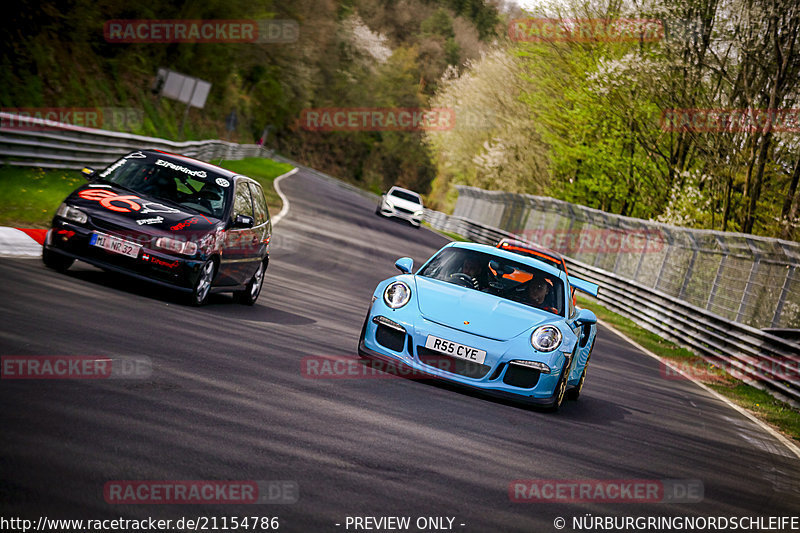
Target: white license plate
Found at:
455, 349
115, 245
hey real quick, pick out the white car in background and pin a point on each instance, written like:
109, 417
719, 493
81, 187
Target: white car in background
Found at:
401, 203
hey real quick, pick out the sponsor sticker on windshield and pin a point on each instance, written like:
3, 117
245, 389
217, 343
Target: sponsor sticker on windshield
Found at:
113, 167
190, 172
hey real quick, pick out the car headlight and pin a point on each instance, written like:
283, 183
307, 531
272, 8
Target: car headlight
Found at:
72, 213
397, 294
174, 245
546, 338
418, 213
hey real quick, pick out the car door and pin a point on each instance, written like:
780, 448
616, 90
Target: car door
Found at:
582, 332
263, 225
237, 257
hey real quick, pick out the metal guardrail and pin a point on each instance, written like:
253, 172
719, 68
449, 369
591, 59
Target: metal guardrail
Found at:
759, 358
745, 278
47, 144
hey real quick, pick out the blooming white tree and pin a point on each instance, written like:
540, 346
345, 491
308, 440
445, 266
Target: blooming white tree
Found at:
364, 40
493, 143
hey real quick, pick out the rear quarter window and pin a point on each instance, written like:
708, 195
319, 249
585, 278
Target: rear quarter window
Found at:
259, 204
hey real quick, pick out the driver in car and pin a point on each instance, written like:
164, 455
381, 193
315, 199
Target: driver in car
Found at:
538, 288
472, 268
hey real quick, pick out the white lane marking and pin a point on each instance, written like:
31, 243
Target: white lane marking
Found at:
285, 207
16, 243
763, 425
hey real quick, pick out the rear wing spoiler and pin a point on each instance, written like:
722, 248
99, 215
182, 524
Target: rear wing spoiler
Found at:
584, 286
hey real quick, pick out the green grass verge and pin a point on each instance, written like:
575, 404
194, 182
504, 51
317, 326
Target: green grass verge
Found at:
776, 413
29, 197
451, 236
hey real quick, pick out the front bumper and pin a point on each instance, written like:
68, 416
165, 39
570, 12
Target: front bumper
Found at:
153, 265
497, 376
390, 211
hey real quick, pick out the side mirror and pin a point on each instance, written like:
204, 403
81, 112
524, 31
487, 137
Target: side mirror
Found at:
89, 173
586, 317
404, 265
243, 221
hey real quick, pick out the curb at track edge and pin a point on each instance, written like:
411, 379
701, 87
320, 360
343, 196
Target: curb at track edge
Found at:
285, 207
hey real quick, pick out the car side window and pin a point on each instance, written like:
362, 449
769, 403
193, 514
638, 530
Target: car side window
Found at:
242, 202
259, 204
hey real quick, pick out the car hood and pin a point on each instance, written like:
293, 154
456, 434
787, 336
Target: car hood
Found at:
138, 212
475, 312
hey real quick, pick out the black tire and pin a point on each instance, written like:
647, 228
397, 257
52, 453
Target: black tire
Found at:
575, 393
56, 261
250, 294
561, 390
202, 287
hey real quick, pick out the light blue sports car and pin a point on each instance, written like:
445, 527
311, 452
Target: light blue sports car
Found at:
485, 318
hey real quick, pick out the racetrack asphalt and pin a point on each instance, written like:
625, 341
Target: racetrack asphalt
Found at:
228, 400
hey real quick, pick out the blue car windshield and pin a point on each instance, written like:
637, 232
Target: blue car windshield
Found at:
499, 276
177, 182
